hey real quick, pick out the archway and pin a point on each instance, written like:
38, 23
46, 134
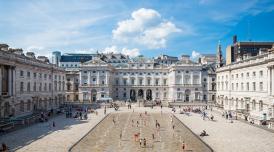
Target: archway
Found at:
140, 94
93, 95
149, 94
187, 94
132, 95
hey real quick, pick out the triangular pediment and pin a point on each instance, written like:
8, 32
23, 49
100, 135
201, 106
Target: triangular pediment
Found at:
94, 62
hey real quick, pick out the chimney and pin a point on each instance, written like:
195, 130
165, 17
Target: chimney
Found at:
43, 58
30, 55
4, 47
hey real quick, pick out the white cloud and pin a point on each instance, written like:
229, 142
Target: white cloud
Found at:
131, 52
195, 55
114, 49
145, 27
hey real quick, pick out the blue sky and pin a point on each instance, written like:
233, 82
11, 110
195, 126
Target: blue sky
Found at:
134, 27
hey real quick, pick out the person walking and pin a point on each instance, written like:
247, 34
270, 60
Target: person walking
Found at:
145, 142
183, 146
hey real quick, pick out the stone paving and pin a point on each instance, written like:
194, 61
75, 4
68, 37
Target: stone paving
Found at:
42, 137
227, 137
106, 136
223, 136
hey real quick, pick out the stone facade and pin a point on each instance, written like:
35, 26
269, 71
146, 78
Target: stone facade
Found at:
247, 86
147, 79
28, 84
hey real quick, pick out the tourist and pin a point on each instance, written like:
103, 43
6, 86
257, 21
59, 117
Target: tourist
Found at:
105, 110
81, 115
132, 123
140, 142
113, 120
173, 127
153, 137
120, 135
156, 124
212, 117
137, 123
203, 133
161, 106
145, 142
183, 146
53, 123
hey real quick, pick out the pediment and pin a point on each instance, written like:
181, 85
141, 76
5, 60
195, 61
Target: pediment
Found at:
94, 62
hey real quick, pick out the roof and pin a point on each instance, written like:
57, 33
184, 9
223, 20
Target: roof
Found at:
75, 58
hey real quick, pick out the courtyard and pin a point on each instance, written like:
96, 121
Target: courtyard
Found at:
84, 135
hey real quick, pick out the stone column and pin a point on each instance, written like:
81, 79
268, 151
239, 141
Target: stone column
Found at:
10, 81
191, 78
13, 81
183, 76
136, 79
98, 77
269, 84
107, 78
200, 80
80, 79
89, 75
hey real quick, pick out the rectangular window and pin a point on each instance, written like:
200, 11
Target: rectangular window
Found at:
28, 87
261, 86
34, 75
140, 81
242, 86
28, 74
261, 73
165, 94
40, 87
45, 87
117, 81
125, 81
232, 86
34, 86
254, 74
148, 82
254, 86
157, 82
45, 76
165, 82
21, 73
236, 86
132, 81
247, 86
21, 86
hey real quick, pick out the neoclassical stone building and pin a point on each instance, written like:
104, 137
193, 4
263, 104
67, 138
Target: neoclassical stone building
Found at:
28, 84
247, 86
166, 79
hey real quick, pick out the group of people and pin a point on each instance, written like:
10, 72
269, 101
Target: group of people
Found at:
143, 142
129, 106
228, 116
